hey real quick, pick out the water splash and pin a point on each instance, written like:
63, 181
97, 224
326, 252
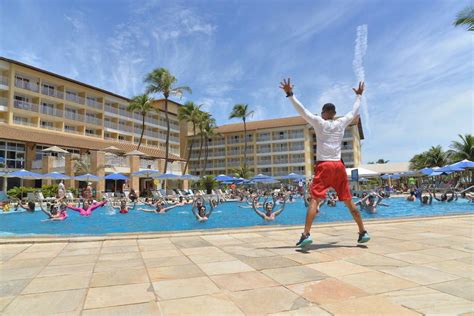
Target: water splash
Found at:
109, 209
358, 66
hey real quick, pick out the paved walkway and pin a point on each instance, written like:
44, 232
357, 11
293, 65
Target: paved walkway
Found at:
411, 267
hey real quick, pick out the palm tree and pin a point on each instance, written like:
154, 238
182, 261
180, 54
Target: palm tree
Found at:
190, 113
418, 161
242, 172
436, 157
242, 111
160, 80
463, 149
382, 161
204, 117
141, 104
466, 18
209, 132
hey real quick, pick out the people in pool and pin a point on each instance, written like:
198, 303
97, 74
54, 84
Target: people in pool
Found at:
199, 209
159, 208
269, 213
370, 202
29, 207
123, 207
444, 197
55, 212
87, 208
426, 199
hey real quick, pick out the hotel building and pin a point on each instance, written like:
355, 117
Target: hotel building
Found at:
275, 147
39, 109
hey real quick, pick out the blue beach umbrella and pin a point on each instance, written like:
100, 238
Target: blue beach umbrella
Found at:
189, 177
223, 177
449, 169
167, 176
146, 173
87, 177
55, 176
463, 164
426, 171
23, 174
116, 176
293, 176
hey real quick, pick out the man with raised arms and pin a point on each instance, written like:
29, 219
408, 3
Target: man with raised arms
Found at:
329, 169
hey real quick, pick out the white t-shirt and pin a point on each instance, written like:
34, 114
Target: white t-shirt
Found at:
329, 133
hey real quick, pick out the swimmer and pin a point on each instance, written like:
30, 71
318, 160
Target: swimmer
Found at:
54, 212
199, 209
426, 199
269, 213
159, 208
88, 207
444, 197
29, 207
123, 208
369, 203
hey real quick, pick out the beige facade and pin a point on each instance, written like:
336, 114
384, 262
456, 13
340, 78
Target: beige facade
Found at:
39, 109
274, 147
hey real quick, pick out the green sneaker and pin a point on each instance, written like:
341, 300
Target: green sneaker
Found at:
363, 237
304, 241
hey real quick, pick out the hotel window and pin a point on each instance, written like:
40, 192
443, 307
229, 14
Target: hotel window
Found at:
90, 131
121, 137
69, 128
14, 154
48, 125
20, 120
48, 89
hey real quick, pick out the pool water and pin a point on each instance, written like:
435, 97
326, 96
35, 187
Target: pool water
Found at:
228, 215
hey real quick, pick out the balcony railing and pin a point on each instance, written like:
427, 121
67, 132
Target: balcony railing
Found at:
94, 104
110, 124
126, 113
23, 122
53, 128
72, 131
27, 106
234, 141
52, 93
4, 80
92, 134
263, 138
293, 135
280, 149
111, 109
74, 98
125, 128
51, 111
3, 101
27, 85
74, 116
93, 120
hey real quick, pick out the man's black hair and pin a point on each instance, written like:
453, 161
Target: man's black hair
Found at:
329, 107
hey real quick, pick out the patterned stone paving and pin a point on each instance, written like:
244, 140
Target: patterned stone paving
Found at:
411, 267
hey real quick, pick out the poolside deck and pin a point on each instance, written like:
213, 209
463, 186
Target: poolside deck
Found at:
411, 267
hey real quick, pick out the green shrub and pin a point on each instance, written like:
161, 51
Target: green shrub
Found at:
49, 190
207, 183
19, 192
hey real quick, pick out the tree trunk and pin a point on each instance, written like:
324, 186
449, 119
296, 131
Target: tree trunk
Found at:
206, 156
143, 130
245, 144
167, 143
200, 150
190, 149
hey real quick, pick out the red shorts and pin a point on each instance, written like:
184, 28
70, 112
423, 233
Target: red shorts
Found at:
330, 174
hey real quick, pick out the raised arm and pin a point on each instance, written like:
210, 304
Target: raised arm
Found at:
434, 196
262, 215
73, 208
97, 205
349, 117
281, 208
44, 211
304, 112
193, 209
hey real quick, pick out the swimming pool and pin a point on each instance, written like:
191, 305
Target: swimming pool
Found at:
228, 215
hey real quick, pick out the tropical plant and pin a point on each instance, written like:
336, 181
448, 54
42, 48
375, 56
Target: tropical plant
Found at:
19, 192
418, 161
83, 165
463, 149
465, 18
242, 172
207, 183
382, 161
141, 104
209, 132
160, 80
242, 111
49, 190
190, 113
436, 157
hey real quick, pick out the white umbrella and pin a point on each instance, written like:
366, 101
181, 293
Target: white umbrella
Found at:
112, 149
135, 153
56, 149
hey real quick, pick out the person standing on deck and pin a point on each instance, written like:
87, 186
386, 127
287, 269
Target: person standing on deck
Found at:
329, 169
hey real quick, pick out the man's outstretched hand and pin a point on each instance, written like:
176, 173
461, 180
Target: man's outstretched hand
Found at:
361, 88
286, 86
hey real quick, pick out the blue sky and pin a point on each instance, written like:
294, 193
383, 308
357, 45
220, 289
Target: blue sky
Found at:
418, 67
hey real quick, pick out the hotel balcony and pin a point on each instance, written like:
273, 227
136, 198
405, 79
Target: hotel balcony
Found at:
51, 111
264, 139
94, 104
3, 104
93, 120
27, 85
58, 164
111, 109
3, 81
26, 106
75, 98
52, 93
74, 116
217, 143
